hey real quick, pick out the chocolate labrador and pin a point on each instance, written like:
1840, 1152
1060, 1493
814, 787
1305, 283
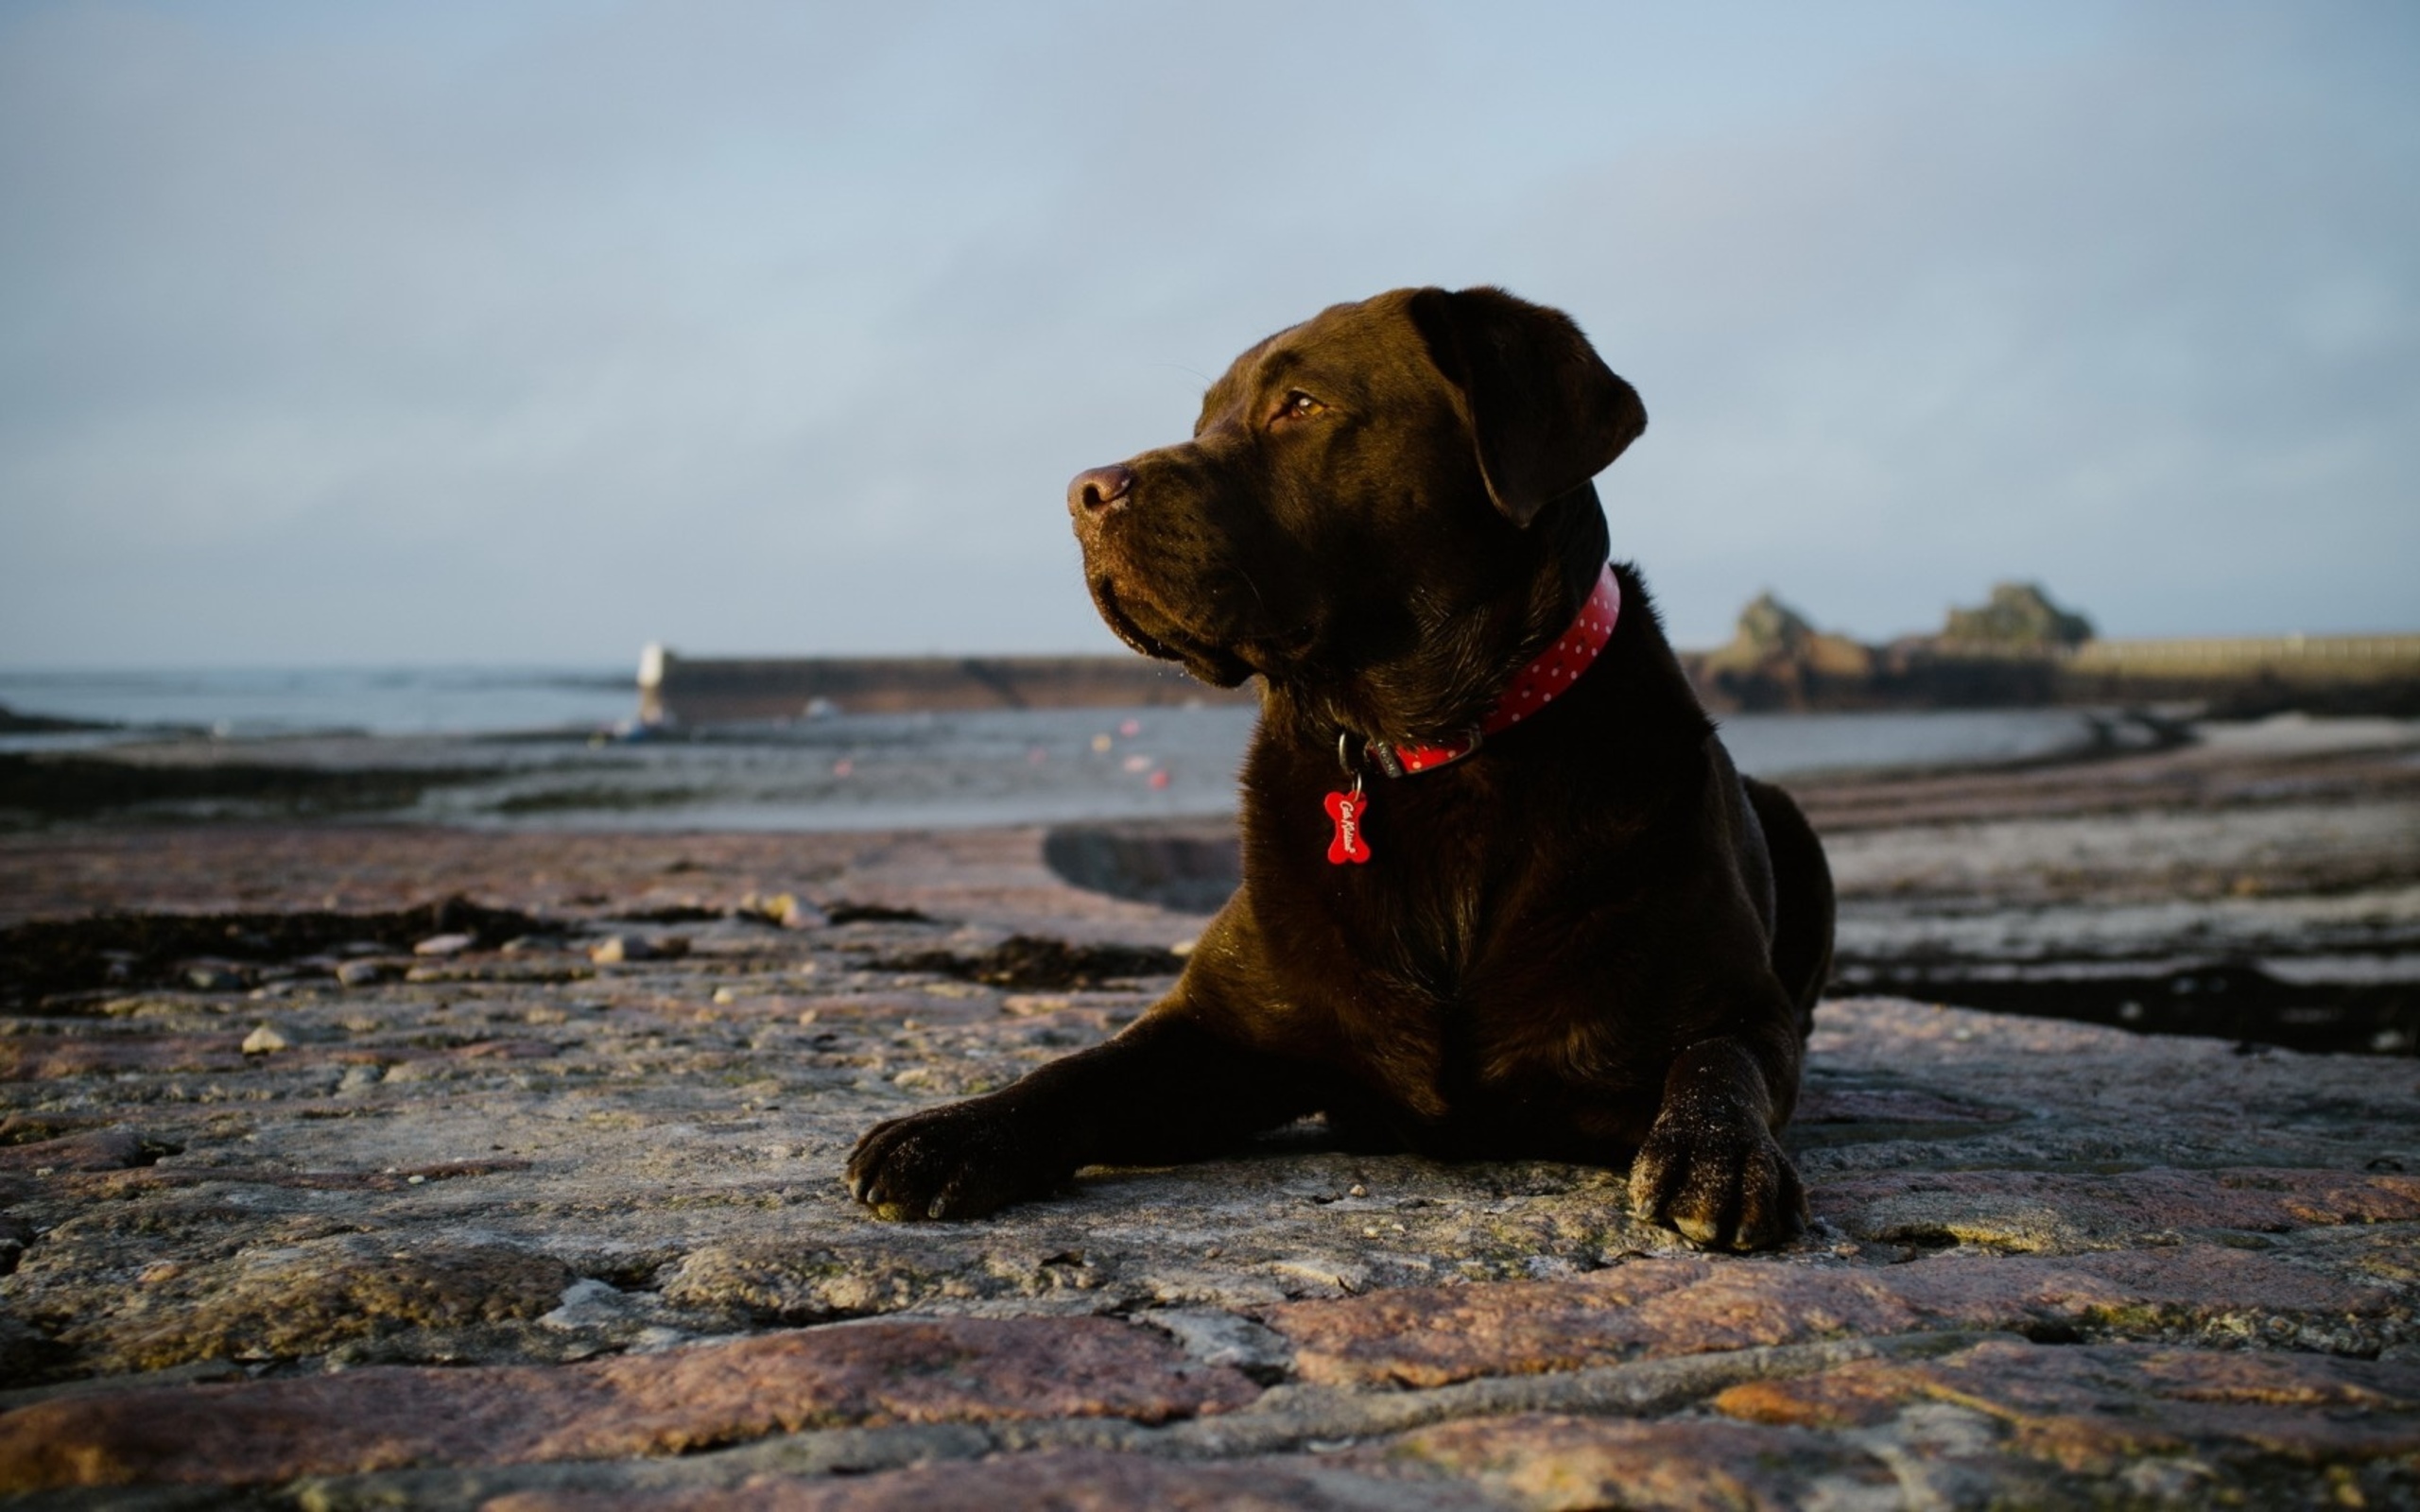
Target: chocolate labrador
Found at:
1504, 894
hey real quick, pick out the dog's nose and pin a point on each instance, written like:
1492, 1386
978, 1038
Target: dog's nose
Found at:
1097, 491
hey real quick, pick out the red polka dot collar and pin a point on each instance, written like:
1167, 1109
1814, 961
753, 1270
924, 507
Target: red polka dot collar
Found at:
1534, 687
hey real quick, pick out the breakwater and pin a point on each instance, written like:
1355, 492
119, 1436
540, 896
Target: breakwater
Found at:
675, 689
2228, 677
2235, 675
2217, 667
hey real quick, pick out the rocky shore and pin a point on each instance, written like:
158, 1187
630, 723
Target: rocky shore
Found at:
316, 1190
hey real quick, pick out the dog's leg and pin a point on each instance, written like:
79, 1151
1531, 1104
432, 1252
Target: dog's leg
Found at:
1165, 1090
1711, 1167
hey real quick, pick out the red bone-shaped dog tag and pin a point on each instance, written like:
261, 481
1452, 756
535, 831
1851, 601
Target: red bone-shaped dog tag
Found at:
1346, 809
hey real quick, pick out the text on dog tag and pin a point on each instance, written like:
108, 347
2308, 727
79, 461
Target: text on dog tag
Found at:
1347, 809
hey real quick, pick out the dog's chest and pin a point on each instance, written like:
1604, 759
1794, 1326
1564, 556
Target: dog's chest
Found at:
1457, 982
1488, 949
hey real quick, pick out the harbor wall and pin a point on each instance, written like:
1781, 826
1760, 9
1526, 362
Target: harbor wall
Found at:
2376, 674
675, 689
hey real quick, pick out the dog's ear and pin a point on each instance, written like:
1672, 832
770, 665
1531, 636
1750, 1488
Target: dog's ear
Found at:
1544, 412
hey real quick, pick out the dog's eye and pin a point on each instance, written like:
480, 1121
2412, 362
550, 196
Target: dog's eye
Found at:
1296, 405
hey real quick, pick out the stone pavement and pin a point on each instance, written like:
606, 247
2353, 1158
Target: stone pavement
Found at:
513, 1227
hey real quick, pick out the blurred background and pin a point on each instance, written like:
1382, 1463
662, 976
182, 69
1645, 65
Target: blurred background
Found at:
531, 333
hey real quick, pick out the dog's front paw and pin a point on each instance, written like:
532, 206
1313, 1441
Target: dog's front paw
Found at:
1724, 1183
959, 1162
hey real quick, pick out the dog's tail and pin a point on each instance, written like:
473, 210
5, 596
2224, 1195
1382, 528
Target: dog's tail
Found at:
1801, 899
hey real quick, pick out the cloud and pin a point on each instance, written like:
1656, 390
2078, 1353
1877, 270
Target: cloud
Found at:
538, 332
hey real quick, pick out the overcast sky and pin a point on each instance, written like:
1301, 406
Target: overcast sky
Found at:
508, 333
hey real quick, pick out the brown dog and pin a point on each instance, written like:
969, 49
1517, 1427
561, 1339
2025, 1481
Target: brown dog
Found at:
1569, 929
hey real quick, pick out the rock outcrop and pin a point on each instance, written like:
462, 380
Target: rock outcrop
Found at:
1776, 660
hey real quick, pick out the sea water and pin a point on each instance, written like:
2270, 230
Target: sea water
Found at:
255, 702
559, 748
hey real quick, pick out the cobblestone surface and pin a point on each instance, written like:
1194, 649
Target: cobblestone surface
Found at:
514, 1227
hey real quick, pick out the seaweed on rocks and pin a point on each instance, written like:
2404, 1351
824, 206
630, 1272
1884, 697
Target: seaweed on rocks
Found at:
675, 914
849, 913
1032, 963
2229, 1000
46, 957
52, 786
13, 722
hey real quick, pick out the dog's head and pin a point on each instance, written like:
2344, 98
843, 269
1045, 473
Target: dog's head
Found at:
1376, 506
